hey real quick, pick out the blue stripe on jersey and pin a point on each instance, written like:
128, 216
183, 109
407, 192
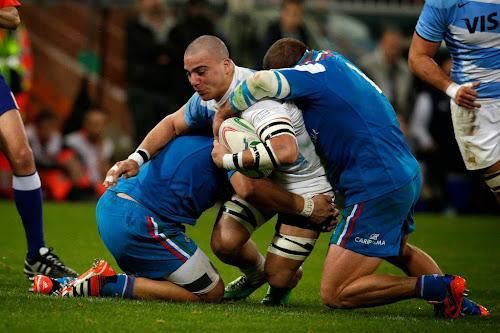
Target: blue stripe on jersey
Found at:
245, 89
231, 101
279, 83
247, 95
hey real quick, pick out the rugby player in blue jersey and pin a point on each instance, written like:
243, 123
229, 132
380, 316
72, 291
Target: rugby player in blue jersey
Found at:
356, 131
471, 32
141, 222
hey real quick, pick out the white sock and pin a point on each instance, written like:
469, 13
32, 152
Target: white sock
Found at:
255, 274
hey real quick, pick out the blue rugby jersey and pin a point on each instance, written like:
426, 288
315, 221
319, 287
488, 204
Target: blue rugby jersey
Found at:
200, 113
354, 126
180, 183
471, 30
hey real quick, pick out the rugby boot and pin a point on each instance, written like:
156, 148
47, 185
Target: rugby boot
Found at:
241, 288
277, 296
48, 264
91, 282
451, 306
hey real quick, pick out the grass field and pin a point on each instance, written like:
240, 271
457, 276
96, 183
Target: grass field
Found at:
465, 245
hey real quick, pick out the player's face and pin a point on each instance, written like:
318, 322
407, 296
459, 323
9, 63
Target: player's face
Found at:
208, 76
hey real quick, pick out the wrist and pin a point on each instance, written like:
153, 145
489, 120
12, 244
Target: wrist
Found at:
452, 90
308, 207
141, 156
232, 161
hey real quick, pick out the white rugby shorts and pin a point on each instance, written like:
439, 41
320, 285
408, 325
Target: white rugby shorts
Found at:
478, 133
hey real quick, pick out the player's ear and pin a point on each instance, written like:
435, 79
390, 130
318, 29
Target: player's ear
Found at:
227, 65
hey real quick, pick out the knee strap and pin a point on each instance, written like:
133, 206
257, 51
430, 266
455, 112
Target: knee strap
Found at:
292, 247
244, 213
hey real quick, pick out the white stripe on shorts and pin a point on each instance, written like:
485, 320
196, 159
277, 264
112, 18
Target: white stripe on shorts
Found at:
347, 222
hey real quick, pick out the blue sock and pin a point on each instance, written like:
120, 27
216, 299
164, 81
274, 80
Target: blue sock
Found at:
122, 288
469, 307
430, 288
28, 198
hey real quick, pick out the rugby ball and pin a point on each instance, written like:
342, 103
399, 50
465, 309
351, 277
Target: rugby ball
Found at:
237, 134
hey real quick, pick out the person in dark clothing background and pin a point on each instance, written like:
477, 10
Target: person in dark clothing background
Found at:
290, 24
149, 63
197, 20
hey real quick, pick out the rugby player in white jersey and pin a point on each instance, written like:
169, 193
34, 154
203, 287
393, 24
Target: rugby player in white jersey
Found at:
213, 76
472, 34
277, 125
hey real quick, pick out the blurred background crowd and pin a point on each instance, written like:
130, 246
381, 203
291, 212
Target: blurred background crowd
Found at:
92, 77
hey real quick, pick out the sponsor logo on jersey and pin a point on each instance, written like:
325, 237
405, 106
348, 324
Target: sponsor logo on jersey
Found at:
482, 23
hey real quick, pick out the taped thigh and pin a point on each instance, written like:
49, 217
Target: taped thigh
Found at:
292, 247
243, 212
197, 275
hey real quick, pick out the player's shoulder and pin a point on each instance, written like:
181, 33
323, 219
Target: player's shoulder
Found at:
440, 4
242, 73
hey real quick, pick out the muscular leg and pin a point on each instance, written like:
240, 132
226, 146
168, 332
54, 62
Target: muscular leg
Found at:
165, 290
348, 281
413, 261
282, 272
231, 243
14, 144
26, 182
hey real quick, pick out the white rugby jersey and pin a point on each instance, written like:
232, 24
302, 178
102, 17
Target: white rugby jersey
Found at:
471, 30
307, 176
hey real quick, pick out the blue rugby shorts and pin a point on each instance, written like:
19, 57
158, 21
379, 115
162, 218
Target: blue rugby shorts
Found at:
140, 241
7, 100
376, 227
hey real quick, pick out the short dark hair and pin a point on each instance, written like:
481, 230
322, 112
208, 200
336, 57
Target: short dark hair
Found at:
284, 53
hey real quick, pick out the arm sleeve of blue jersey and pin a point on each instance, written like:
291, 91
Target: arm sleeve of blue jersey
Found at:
431, 24
301, 81
230, 174
196, 114
304, 82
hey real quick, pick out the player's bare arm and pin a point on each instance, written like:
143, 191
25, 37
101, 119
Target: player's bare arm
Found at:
165, 131
266, 193
284, 147
421, 63
9, 18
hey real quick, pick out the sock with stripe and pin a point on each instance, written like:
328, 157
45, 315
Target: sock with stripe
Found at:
469, 307
431, 288
122, 288
28, 199
255, 273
